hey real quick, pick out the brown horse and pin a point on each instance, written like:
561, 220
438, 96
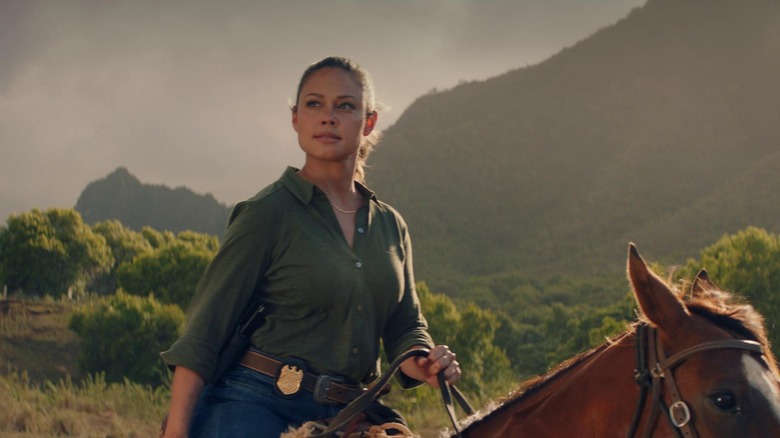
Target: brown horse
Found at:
700, 367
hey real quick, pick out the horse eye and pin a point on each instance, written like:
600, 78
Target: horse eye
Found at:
724, 401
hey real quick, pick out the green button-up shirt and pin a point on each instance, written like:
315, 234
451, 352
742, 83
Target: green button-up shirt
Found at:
328, 303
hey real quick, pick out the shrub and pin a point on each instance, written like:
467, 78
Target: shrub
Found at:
172, 271
122, 336
47, 253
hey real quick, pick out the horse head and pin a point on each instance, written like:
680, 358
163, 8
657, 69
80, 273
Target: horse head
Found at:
718, 358
703, 363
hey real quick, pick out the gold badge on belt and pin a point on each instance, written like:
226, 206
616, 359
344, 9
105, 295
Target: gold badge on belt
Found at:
289, 380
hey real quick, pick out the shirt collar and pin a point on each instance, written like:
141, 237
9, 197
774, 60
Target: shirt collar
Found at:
304, 190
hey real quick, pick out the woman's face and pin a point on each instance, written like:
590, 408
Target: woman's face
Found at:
330, 116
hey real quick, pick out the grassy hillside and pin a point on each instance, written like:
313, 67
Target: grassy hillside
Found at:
43, 394
43, 391
34, 338
555, 167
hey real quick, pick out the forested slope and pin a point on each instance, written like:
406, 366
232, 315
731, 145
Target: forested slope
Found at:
662, 128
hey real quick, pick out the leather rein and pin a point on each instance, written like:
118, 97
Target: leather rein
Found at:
655, 370
351, 411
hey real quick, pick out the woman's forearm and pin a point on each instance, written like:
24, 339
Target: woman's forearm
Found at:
185, 390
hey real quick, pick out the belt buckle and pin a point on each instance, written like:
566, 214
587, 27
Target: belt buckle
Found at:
321, 389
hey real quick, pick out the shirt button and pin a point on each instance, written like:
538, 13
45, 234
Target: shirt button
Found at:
359, 307
360, 230
355, 350
358, 265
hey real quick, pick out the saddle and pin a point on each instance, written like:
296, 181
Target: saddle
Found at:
360, 430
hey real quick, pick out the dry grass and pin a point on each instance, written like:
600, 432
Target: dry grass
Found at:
34, 337
43, 401
93, 408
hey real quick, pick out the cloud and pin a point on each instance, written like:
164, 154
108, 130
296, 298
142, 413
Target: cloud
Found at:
195, 93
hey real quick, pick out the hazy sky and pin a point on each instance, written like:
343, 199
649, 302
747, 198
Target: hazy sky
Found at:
195, 93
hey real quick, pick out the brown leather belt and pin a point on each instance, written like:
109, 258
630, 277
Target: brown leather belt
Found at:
290, 379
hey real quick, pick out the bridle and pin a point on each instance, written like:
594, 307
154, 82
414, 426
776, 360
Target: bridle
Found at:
653, 367
651, 370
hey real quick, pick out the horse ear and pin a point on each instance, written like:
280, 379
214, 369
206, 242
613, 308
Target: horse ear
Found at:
701, 283
658, 303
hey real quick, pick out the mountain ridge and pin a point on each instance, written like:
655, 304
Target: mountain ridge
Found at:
121, 196
660, 129
556, 166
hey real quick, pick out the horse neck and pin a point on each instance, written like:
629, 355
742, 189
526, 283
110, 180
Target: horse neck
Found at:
597, 393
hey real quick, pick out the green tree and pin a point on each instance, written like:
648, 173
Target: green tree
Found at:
125, 245
747, 263
526, 345
47, 253
441, 314
470, 333
156, 238
122, 336
199, 240
172, 271
484, 360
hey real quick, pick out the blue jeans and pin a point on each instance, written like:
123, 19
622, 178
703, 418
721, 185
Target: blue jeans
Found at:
245, 404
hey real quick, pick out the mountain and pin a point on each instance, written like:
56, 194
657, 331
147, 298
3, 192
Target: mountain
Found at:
663, 129
122, 196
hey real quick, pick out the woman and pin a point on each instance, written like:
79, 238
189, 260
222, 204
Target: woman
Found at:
331, 264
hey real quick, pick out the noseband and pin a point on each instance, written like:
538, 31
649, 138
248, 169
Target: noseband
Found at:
653, 367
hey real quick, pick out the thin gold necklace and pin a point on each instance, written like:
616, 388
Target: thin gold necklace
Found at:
344, 211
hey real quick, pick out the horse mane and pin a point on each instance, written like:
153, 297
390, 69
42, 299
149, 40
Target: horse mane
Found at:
535, 384
734, 314
722, 308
